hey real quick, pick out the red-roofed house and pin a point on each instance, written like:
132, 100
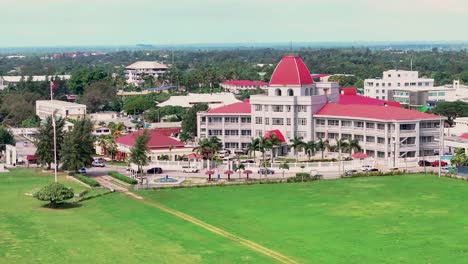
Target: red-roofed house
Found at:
295, 105
235, 86
160, 143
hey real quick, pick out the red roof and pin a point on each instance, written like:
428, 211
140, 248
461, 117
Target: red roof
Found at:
464, 136
349, 96
245, 83
277, 133
235, 108
291, 70
373, 112
158, 140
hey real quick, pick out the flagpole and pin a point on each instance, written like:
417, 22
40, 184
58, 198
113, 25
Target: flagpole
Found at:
55, 133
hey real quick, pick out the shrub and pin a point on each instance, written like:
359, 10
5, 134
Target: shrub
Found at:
54, 193
376, 173
122, 177
87, 180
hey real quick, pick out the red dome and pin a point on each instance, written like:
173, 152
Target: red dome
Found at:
291, 70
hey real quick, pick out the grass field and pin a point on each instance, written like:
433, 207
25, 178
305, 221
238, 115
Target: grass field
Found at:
400, 219
108, 229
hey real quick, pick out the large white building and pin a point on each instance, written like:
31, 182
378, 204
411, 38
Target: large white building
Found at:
46, 108
295, 105
406, 87
13, 80
236, 86
137, 70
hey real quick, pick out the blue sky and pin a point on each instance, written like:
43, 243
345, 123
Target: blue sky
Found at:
121, 22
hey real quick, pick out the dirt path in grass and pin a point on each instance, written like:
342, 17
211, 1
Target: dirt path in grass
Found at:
250, 244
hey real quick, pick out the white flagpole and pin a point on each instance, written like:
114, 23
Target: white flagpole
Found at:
55, 148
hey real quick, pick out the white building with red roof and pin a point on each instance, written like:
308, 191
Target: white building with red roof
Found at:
161, 143
295, 105
236, 86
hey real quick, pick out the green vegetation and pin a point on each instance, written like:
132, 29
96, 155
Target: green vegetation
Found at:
111, 229
6, 137
189, 124
78, 145
122, 177
54, 193
87, 180
398, 219
139, 152
45, 141
451, 110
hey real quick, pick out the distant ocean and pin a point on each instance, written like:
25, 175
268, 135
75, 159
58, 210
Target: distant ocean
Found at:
227, 46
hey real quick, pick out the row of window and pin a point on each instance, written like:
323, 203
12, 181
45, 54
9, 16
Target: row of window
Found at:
279, 121
219, 119
280, 108
228, 132
399, 84
436, 93
349, 124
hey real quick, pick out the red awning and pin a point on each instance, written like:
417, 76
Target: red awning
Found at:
193, 156
209, 172
277, 133
228, 172
360, 155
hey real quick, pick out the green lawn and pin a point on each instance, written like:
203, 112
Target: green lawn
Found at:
400, 219
109, 229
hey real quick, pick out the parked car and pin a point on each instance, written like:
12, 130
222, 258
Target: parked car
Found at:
424, 163
267, 171
438, 163
350, 172
98, 164
190, 169
82, 170
155, 170
366, 167
392, 169
372, 169
248, 161
99, 160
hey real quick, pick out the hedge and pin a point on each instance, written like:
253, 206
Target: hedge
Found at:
122, 177
84, 179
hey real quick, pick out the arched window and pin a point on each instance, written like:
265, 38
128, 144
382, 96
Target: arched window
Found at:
290, 92
278, 92
307, 91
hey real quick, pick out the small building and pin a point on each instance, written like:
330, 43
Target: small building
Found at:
137, 70
213, 100
236, 86
46, 108
13, 80
161, 143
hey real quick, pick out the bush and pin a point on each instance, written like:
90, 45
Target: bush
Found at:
122, 177
54, 193
304, 177
84, 179
377, 173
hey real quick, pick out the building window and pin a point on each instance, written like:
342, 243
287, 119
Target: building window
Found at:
215, 119
277, 108
380, 140
346, 136
389, 84
398, 84
278, 121
376, 84
231, 132
258, 107
231, 119
288, 121
346, 123
266, 108
290, 92
246, 132
333, 122
258, 133
267, 120
370, 139
302, 121
302, 134
278, 92
215, 132
359, 124
320, 134
301, 108
359, 137
381, 126
389, 75
288, 108
258, 120
320, 122
333, 135
246, 120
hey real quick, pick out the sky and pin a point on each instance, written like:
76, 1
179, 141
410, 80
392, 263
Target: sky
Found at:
26, 23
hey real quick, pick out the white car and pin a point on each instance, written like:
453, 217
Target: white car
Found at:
82, 170
367, 167
98, 164
189, 169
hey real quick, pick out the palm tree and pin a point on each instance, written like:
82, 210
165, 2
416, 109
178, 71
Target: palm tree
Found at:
353, 145
341, 145
103, 142
116, 129
263, 145
284, 166
208, 147
275, 142
297, 145
253, 146
239, 168
310, 148
322, 145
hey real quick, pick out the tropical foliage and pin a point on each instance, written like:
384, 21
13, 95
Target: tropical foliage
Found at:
54, 193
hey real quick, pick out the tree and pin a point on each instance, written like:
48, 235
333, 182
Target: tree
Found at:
98, 96
116, 129
45, 141
264, 144
54, 193
78, 145
451, 110
341, 145
310, 147
6, 137
139, 152
284, 166
323, 145
275, 142
189, 122
253, 146
208, 147
84, 77
353, 145
239, 168
460, 158
138, 104
297, 144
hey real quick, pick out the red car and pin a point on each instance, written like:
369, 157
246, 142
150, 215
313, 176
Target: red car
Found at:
436, 163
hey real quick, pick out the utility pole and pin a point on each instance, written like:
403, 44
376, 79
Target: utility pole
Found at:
441, 136
52, 86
